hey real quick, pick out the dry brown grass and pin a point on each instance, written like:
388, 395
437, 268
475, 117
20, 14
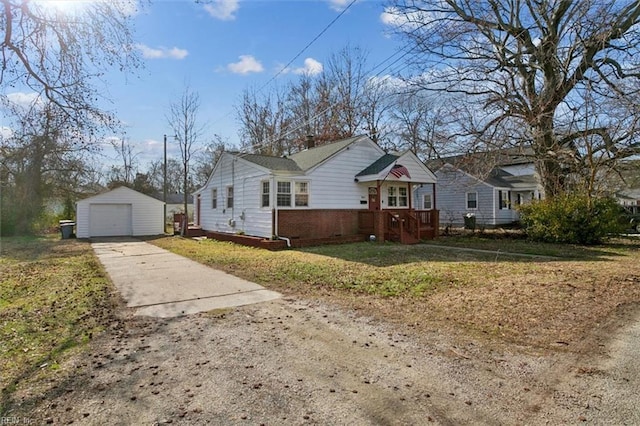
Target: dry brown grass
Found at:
539, 302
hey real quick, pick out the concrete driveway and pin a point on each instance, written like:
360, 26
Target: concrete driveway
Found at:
159, 283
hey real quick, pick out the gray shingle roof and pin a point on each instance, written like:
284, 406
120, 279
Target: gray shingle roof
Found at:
379, 165
272, 163
311, 157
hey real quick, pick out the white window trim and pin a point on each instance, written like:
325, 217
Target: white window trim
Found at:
214, 197
466, 199
308, 194
424, 196
292, 194
226, 198
262, 194
397, 197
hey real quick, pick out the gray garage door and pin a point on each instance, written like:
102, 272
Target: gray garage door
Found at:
110, 220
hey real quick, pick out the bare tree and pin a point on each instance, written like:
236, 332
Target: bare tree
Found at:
527, 63
265, 122
341, 102
207, 158
183, 120
58, 53
124, 174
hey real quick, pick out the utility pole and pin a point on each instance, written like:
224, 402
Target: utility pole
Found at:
164, 187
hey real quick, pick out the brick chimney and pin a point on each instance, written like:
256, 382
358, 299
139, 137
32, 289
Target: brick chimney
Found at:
311, 143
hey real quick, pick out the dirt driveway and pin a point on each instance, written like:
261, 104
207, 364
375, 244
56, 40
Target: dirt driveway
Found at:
294, 362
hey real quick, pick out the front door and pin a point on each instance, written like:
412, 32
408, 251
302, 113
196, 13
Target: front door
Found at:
374, 198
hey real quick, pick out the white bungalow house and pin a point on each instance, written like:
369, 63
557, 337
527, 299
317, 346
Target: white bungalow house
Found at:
484, 186
338, 191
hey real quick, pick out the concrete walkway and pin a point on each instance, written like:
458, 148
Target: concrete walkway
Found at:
159, 283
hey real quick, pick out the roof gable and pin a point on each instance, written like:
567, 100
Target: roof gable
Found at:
410, 169
311, 158
117, 190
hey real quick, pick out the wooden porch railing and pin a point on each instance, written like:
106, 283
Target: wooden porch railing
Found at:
406, 226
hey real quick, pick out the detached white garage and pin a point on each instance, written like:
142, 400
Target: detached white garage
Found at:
119, 212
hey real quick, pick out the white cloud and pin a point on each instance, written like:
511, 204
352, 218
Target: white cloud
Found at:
23, 99
394, 17
222, 9
338, 5
162, 52
5, 133
310, 67
245, 65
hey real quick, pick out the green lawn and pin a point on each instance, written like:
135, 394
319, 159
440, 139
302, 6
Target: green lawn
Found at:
54, 296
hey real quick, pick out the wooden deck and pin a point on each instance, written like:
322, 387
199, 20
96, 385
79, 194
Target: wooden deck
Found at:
404, 226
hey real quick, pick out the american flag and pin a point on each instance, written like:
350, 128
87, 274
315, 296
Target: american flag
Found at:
399, 170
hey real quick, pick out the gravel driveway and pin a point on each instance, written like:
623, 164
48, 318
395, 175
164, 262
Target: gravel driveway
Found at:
295, 362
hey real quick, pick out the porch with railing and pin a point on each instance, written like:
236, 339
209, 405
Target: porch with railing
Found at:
404, 226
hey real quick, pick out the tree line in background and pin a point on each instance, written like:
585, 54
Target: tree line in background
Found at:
561, 77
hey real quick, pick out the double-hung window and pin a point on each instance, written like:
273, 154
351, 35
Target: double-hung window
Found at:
472, 200
397, 196
302, 194
392, 199
214, 198
403, 198
283, 196
426, 202
265, 196
230, 197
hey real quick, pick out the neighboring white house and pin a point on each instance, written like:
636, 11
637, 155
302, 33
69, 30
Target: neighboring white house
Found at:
314, 194
486, 186
175, 204
629, 199
119, 212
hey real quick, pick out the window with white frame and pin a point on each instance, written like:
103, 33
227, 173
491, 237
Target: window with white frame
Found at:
302, 194
214, 198
503, 199
392, 196
283, 195
230, 197
403, 198
426, 202
265, 196
397, 196
472, 200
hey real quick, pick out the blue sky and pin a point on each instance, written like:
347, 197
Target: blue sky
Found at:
223, 47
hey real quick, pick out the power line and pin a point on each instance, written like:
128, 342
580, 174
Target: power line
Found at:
324, 30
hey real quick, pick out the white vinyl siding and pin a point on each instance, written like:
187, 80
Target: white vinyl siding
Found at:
247, 214
332, 182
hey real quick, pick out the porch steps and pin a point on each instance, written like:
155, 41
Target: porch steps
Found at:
408, 238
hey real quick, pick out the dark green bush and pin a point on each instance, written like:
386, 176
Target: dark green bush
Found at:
573, 219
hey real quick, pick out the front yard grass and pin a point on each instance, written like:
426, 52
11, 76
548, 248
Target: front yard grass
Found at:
54, 296
554, 296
